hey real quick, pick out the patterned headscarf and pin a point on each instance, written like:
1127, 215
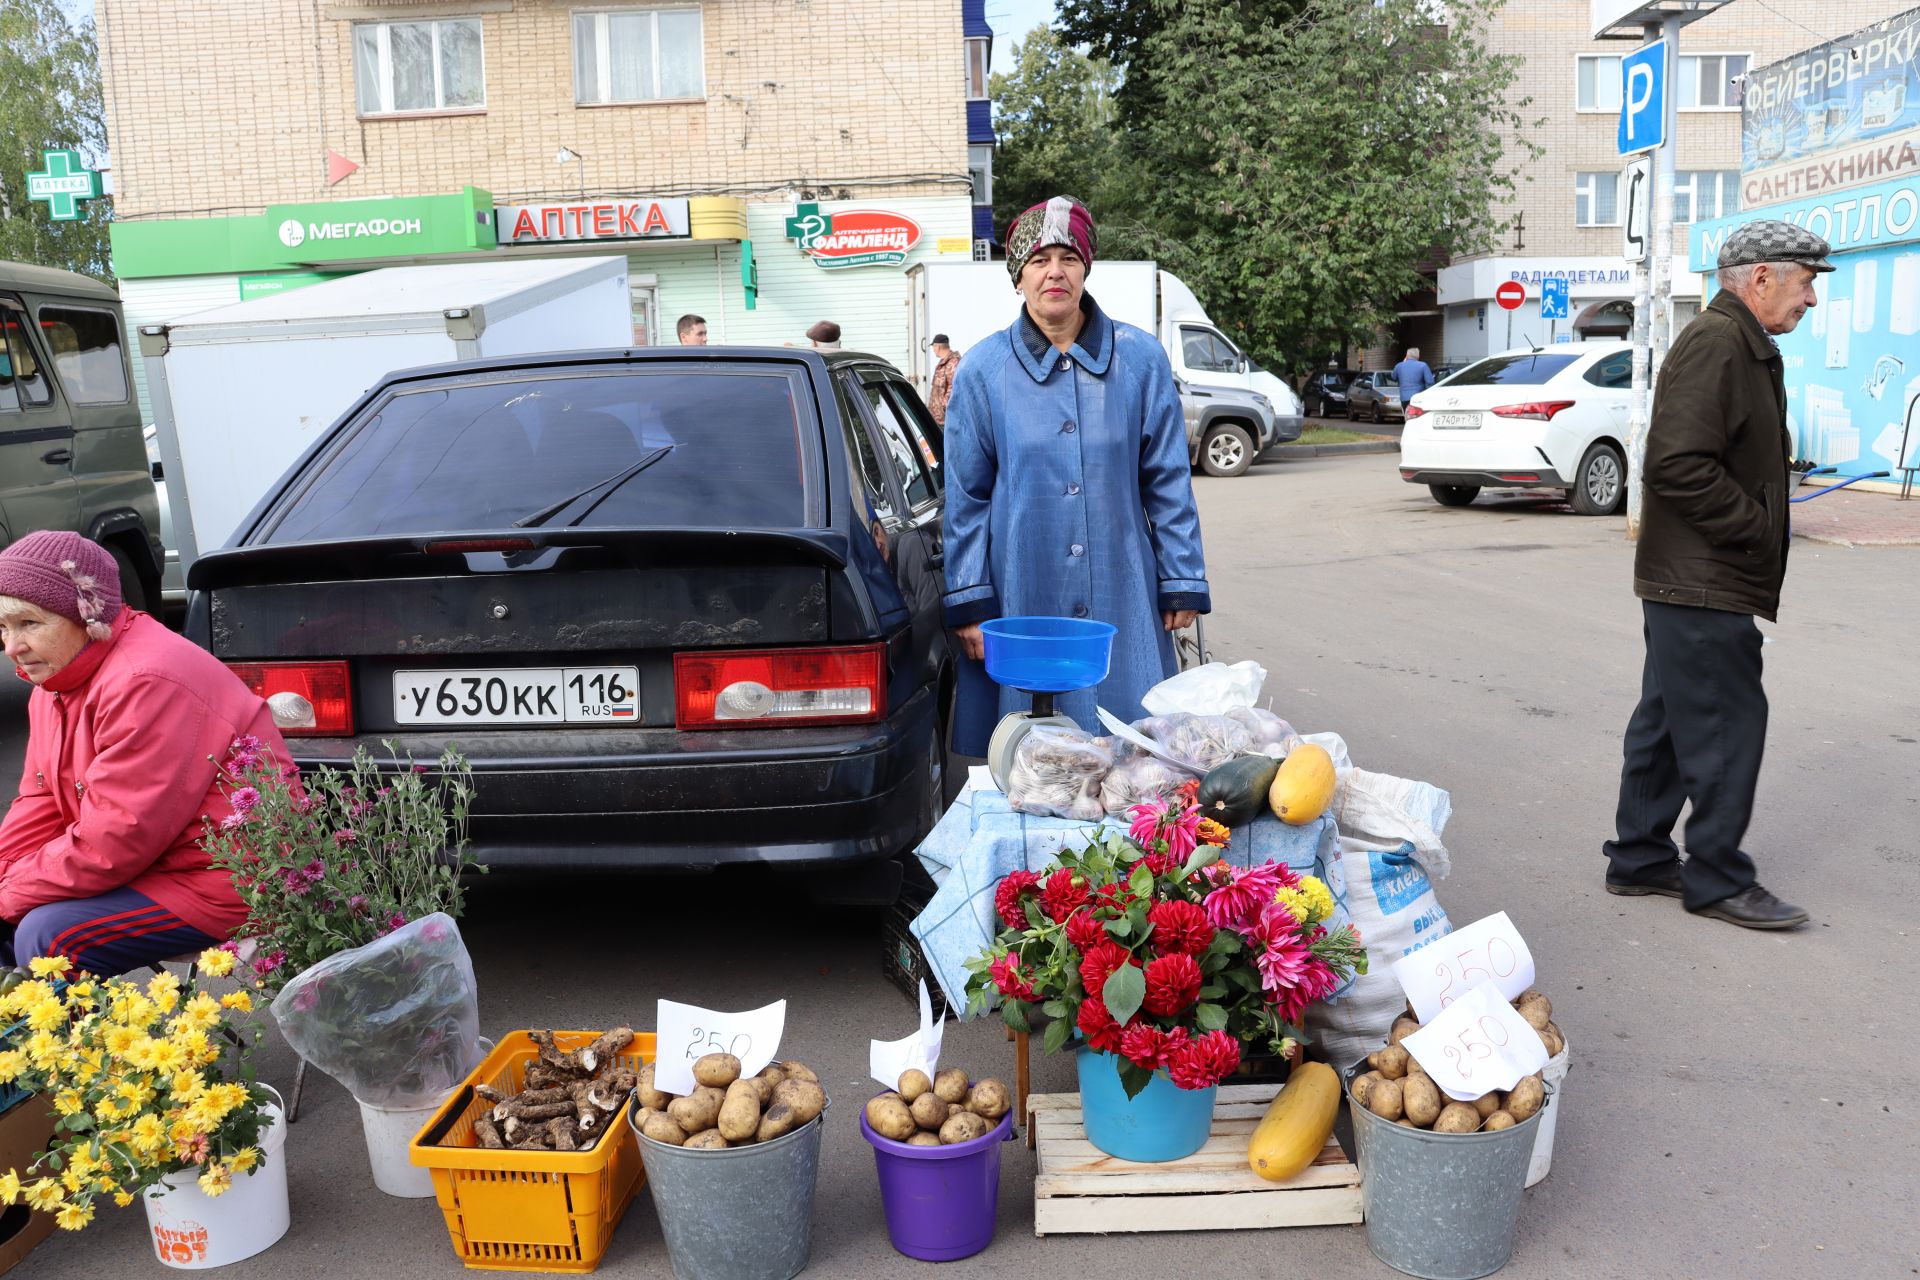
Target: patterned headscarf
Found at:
1062, 220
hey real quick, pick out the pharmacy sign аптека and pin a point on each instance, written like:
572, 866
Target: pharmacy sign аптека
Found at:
63, 185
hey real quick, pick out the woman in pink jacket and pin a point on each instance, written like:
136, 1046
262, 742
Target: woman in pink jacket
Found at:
100, 856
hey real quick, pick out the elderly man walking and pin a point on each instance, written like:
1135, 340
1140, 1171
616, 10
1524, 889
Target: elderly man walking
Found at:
1413, 375
1711, 556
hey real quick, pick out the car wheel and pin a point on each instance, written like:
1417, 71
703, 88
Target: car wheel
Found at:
1454, 495
1227, 450
133, 590
1377, 419
1600, 485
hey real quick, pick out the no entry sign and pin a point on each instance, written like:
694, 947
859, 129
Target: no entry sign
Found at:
1510, 295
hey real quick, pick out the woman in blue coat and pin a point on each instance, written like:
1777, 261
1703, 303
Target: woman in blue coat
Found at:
1068, 484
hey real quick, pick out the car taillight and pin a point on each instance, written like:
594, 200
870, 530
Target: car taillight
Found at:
1543, 410
308, 699
1414, 411
741, 689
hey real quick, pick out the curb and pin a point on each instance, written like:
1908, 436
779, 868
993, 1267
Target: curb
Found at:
1331, 450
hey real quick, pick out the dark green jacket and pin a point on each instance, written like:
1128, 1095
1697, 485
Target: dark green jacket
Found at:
1713, 519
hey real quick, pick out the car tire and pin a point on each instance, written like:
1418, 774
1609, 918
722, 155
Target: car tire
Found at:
133, 589
1600, 485
1377, 419
1227, 450
1454, 495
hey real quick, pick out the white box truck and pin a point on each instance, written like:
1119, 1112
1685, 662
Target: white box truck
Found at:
969, 301
240, 392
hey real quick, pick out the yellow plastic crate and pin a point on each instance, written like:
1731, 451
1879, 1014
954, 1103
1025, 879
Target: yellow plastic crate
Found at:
529, 1210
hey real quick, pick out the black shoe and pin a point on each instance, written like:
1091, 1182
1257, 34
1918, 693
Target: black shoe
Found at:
1755, 908
1663, 880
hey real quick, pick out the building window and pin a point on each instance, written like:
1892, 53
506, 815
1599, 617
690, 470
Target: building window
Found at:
404, 67
638, 55
1707, 82
982, 179
977, 58
1700, 195
1596, 200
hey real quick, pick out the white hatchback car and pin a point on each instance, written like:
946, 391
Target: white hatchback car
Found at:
1551, 418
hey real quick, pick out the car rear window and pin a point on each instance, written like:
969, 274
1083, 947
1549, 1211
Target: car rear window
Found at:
721, 449
1527, 369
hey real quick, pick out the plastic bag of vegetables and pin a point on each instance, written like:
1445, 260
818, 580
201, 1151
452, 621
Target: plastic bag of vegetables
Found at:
1057, 773
1139, 778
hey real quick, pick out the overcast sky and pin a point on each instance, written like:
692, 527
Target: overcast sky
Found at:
1012, 19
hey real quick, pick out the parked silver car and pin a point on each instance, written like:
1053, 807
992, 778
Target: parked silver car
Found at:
1227, 427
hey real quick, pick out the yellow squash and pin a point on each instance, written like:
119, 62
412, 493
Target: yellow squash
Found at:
1303, 788
1297, 1125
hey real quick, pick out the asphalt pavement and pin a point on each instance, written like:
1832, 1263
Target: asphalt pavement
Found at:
1737, 1102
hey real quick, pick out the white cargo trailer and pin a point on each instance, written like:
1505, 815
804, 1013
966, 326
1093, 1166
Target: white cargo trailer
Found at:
240, 393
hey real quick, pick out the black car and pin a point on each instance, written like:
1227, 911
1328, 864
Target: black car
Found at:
1325, 395
676, 609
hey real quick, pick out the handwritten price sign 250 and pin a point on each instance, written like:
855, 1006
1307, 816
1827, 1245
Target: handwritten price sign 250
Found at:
1492, 1034
705, 1042
1502, 961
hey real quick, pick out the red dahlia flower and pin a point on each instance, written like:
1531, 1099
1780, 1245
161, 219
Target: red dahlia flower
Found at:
1173, 984
1084, 931
1114, 898
1100, 962
1180, 926
1097, 1025
1145, 1045
1007, 976
1205, 1061
1006, 899
1061, 896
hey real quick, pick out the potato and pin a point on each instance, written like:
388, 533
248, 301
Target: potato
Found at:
662, 1129
1402, 1028
698, 1111
1414, 1068
913, 1083
1488, 1103
990, 1099
739, 1117
964, 1127
643, 1114
773, 1075
1498, 1120
1527, 1098
1405, 1123
921, 1138
762, 1089
799, 1071
1363, 1085
781, 1119
1535, 1008
1457, 1117
888, 1117
1420, 1097
710, 1140
649, 1096
1555, 1042
806, 1097
955, 1108
1390, 1062
951, 1084
717, 1070
1385, 1100
929, 1112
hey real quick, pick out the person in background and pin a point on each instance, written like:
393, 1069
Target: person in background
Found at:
1068, 486
1413, 375
692, 330
1712, 554
946, 364
127, 725
825, 336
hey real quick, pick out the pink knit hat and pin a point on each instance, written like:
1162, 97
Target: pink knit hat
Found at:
66, 574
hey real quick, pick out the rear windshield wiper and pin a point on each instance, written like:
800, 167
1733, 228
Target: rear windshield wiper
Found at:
610, 484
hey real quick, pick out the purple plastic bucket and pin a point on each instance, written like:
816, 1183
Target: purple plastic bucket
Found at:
941, 1202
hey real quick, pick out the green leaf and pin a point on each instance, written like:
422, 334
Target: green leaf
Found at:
1056, 1037
1140, 882
1121, 928
1126, 987
1203, 856
1133, 1078
1213, 990
1014, 1014
1210, 1017
1055, 1008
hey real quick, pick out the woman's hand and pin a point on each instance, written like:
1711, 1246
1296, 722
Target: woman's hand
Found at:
972, 641
1177, 619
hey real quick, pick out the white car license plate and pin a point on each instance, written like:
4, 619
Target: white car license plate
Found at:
1456, 421
518, 695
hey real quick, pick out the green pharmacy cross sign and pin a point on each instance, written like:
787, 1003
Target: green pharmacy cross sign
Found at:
63, 184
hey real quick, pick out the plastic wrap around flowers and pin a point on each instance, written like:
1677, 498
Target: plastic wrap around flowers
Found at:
1148, 946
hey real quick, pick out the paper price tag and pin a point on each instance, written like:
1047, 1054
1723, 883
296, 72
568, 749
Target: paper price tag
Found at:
888, 1060
686, 1033
1481, 1042
1489, 950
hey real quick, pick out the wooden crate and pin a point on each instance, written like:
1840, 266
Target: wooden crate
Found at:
1080, 1188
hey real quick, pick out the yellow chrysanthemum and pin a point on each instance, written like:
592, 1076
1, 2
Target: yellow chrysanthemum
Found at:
9, 1187
68, 1102
216, 963
229, 1096
216, 1179
1294, 901
44, 1195
74, 1216
50, 966
45, 1050
1319, 898
107, 1110
244, 1159
149, 1134
46, 1015
123, 1198
167, 1056
118, 1039
12, 1063
237, 1000
139, 1054
136, 1093
187, 1085
74, 1181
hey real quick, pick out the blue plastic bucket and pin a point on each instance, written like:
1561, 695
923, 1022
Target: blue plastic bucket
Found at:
1162, 1122
1047, 655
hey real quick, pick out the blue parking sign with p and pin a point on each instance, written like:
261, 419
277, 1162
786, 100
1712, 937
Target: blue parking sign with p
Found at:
1643, 94
1553, 298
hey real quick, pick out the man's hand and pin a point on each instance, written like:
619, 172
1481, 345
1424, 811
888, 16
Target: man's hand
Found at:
972, 641
1176, 619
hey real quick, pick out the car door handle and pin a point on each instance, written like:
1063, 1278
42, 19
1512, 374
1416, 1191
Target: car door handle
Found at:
57, 457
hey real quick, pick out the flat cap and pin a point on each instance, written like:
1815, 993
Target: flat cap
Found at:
1771, 240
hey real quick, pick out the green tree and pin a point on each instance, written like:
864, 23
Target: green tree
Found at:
49, 99
1055, 124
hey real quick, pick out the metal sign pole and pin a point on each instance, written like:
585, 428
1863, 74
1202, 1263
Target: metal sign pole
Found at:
1638, 413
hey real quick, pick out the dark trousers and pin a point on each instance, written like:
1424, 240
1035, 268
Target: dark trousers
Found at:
1697, 735
114, 933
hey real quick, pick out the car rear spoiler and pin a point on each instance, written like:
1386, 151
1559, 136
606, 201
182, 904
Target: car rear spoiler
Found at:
345, 557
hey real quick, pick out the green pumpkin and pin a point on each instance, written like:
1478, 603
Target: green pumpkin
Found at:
1235, 793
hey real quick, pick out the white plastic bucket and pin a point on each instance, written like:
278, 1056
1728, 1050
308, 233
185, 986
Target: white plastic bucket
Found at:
389, 1134
193, 1231
1555, 1074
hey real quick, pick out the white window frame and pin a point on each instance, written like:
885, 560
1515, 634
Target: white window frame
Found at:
603, 52
1586, 185
1693, 56
1597, 58
978, 46
384, 43
1721, 182
1726, 90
